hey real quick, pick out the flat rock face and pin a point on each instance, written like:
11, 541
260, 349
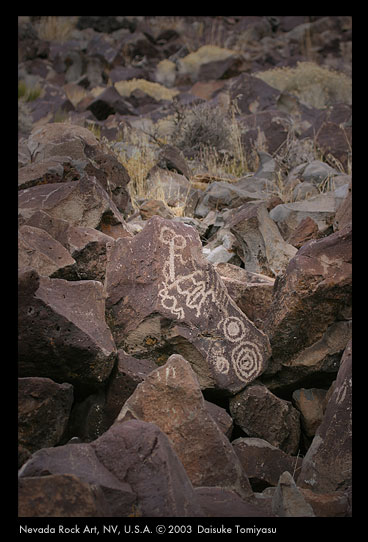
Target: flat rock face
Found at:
263, 415
160, 289
170, 397
62, 331
327, 465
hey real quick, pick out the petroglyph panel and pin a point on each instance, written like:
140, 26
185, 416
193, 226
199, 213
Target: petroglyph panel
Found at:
192, 290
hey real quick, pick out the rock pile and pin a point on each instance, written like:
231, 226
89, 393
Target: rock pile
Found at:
192, 364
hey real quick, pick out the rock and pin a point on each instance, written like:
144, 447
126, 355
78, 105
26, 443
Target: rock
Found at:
38, 250
87, 246
252, 292
219, 502
60, 495
82, 203
172, 187
343, 215
306, 230
128, 374
221, 417
110, 102
78, 152
327, 505
171, 398
310, 403
173, 159
327, 465
260, 245
288, 501
267, 130
223, 195
263, 462
252, 94
163, 296
208, 62
43, 412
321, 209
310, 302
81, 461
154, 207
62, 331
263, 415
141, 454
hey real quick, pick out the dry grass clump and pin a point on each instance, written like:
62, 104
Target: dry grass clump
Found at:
157, 91
314, 85
54, 28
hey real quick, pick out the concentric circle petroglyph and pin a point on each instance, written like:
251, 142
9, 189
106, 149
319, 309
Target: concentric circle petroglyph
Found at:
246, 359
233, 328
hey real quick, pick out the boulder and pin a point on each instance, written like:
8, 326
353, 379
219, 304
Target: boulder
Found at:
263, 462
288, 501
164, 297
62, 331
264, 129
38, 250
82, 203
252, 292
252, 94
221, 195
128, 373
60, 495
217, 502
308, 318
71, 152
171, 398
343, 215
208, 62
132, 463
110, 102
81, 461
260, 245
43, 412
261, 414
310, 403
327, 464
87, 246
321, 209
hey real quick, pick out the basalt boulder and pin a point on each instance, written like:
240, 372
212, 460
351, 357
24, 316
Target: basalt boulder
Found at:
164, 297
63, 334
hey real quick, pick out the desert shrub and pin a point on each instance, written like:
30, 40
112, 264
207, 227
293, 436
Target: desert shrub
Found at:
55, 28
314, 85
28, 94
201, 126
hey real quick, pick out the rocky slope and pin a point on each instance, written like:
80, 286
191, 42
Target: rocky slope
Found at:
185, 276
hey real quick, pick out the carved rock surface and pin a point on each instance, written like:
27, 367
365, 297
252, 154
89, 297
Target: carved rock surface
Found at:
162, 291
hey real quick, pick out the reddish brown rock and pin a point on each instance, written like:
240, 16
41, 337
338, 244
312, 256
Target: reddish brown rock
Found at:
218, 502
128, 373
164, 297
327, 505
288, 500
260, 245
310, 403
43, 412
108, 103
306, 230
38, 250
311, 305
252, 93
252, 292
62, 331
328, 463
171, 398
60, 495
87, 246
82, 203
79, 460
263, 462
263, 415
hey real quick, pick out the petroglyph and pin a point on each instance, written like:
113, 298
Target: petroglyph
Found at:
197, 292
